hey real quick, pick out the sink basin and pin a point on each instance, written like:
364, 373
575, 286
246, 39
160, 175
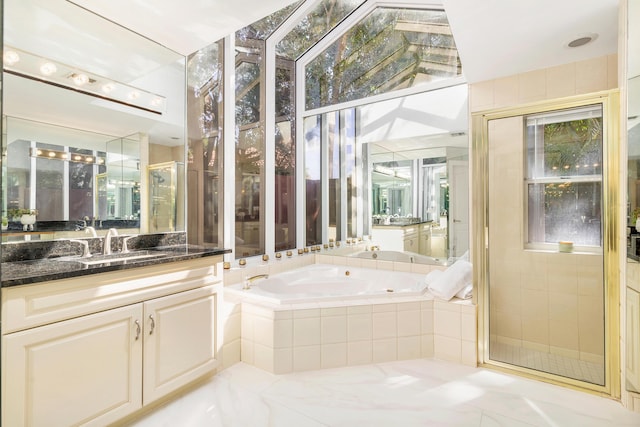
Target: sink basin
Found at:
119, 257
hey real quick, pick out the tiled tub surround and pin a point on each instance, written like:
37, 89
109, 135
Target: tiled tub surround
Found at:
282, 338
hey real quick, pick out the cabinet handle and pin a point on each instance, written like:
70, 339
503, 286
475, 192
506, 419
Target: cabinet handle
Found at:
138, 329
153, 324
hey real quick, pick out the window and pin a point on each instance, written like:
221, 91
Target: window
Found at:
564, 176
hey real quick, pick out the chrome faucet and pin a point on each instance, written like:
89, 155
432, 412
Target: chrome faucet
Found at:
248, 281
106, 248
91, 230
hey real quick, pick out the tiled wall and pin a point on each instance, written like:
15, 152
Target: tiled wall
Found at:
333, 334
575, 78
541, 300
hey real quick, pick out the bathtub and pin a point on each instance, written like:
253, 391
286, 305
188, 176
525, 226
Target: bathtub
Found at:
400, 256
326, 282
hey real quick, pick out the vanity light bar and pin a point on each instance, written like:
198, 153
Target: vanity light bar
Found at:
25, 64
67, 156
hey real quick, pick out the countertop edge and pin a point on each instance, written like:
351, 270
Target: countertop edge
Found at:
72, 270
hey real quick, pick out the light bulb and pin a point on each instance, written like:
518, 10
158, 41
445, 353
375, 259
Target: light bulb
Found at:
107, 88
11, 57
48, 68
80, 79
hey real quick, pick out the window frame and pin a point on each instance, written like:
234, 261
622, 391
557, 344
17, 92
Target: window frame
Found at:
562, 179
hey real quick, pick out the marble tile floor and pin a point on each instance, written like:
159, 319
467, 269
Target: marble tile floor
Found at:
423, 392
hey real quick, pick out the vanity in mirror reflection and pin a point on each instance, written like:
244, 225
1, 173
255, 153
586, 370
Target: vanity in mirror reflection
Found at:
90, 111
411, 191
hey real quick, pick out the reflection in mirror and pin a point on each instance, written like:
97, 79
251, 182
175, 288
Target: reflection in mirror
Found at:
88, 107
396, 171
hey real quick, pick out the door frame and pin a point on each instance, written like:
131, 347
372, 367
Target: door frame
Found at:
611, 216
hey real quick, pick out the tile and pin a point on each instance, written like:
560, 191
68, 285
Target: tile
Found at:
481, 95
282, 333
426, 321
409, 348
230, 354
263, 331
246, 351
359, 352
561, 80
306, 358
384, 350
447, 323
426, 345
612, 71
468, 355
282, 361
532, 86
333, 329
263, 357
505, 91
446, 348
468, 328
408, 323
384, 325
306, 332
359, 327
591, 75
232, 328
333, 355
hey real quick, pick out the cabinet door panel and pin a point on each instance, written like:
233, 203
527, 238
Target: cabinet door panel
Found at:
633, 339
81, 371
180, 340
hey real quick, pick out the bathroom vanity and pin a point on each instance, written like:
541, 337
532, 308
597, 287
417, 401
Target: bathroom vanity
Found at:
90, 343
415, 237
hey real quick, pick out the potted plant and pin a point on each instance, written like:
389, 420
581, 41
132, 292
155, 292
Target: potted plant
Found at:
27, 217
5, 223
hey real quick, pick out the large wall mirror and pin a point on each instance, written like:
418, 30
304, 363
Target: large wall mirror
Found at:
403, 180
92, 113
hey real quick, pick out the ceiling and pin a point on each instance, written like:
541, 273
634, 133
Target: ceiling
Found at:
495, 38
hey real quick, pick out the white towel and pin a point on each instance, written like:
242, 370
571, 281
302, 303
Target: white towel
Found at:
452, 280
466, 292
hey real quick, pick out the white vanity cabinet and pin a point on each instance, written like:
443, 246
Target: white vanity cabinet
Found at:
91, 350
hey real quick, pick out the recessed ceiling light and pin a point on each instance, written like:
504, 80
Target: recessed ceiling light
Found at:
582, 39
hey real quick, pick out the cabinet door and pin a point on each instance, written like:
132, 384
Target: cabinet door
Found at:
180, 340
85, 371
633, 339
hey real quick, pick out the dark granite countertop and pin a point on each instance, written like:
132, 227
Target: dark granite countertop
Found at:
54, 268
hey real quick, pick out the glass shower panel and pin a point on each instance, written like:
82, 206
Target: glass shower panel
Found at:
546, 304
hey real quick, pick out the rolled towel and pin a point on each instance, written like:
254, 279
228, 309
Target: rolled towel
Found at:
452, 280
432, 276
466, 292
